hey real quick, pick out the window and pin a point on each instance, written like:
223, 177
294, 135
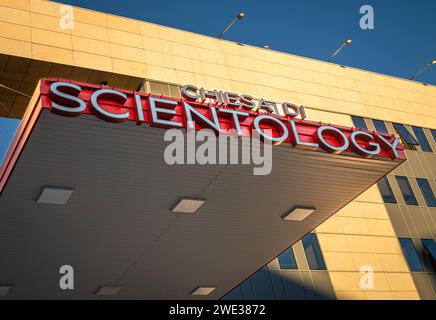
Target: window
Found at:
386, 191
427, 192
359, 122
433, 132
380, 126
411, 255
406, 137
164, 89
313, 252
423, 142
430, 249
287, 260
406, 190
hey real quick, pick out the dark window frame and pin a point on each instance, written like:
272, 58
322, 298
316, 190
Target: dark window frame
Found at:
427, 192
409, 199
390, 197
411, 255
433, 133
422, 139
313, 252
407, 138
357, 119
291, 264
380, 126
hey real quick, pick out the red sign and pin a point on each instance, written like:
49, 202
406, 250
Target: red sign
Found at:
70, 98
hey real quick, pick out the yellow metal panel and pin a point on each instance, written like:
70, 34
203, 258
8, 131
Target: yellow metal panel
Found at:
127, 53
129, 67
14, 31
15, 47
89, 17
91, 46
50, 38
92, 61
17, 4
87, 30
400, 282
339, 261
127, 39
16, 16
124, 24
52, 54
42, 21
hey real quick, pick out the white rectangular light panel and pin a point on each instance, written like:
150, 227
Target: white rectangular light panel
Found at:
55, 195
188, 205
202, 291
298, 214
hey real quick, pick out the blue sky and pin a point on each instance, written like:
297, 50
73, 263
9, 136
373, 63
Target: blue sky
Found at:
403, 41
8, 127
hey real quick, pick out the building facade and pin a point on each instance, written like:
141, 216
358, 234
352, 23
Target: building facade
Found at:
380, 246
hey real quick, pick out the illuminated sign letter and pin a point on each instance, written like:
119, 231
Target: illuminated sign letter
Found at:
203, 120
296, 141
338, 134
290, 109
235, 118
391, 146
139, 111
189, 92
167, 108
365, 136
106, 115
70, 95
283, 130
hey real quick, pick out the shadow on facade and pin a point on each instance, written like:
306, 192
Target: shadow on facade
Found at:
284, 285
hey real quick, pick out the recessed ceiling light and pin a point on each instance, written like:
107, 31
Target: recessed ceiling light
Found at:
203, 291
298, 213
108, 290
55, 195
4, 290
188, 205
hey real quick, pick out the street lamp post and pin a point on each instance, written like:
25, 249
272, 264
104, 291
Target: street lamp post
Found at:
423, 69
238, 17
346, 42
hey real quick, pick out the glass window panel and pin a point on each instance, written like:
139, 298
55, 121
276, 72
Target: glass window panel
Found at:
359, 122
406, 190
411, 255
430, 247
313, 252
405, 135
159, 88
287, 260
423, 142
174, 91
433, 132
380, 126
386, 191
262, 286
427, 192
235, 294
